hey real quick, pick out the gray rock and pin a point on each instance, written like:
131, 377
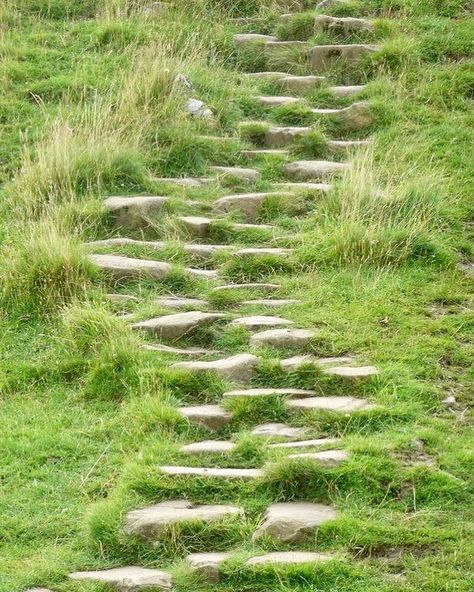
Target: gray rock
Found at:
259, 321
125, 242
322, 57
289, 558
269, 392
211, 417
355, 117
248, 205
211, 472
271, 303
208, 447
176, 326
259, 152
134, 212
300, 83
346, 91
322, 187
353, 372
347, 145
341, 25
183, 81
337, 404
264, 252
252, 39
329, 459
198, 109
179, 302
303, 170
275, 101
282, 338
119, 268
207, 565
239, 368
196, 225
306, 443
264, 75
278, 430
329, 4
282, 136
128, 579
186, 181
296, 362
189, 351
242, 174
251, 286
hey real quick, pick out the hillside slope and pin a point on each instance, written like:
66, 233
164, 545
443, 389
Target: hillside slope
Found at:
236, 294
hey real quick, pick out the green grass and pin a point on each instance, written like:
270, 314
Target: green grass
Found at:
91, 107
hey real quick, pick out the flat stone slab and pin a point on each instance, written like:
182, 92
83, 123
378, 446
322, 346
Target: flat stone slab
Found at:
337, 404
276, 101
245, 39
282, 338
179, 302
341, 145
324, 187
211, 417
238, 368
353, 372
296, 362
346, 91
303, 170
288, 558
328, 459
278, 430
293, 521
128, 579
247, 204
207, 564
271, 303
264, 252
321, 57
197, 225
282, 136
125, 242
168, 349
264, 75
243, 174
153, 521
118, 268
176, 326
211, 472
256, 322
258, 152
208, 447
269, 392
186, 181
122, 298
252, 286
306, 443
341, 25
355, 117
300, 83
134, 212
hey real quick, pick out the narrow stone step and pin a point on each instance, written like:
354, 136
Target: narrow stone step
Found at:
186, 181
346, 91
211, 417
179, 302
239, 368
346, 145
276, 101
134, 212
296, 362
324, 187
208, 447
240, 173
256, 322
211, 472
207, 565
278, 430
341, 25
248, 205
300, 83
271, 303
201, 227
264, 75
262, 287
259, 152
306, 443
283, 136
303, 170
243, 40
127, 579
355, 117
285, 45
264, 252
289, 558
337, 404
175, 326
329, 459
282, 338
330, 4
152, 522
121, 298
125, 242
353, 372
322, 57
190, 351
269, 392
293, 521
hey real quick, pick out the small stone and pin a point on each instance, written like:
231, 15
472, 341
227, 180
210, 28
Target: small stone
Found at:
337, 404
208, 447
322, 57
211, 472
196, 225
283, 338
275, 101
450, 400
289, 558
176, 326
355, 117
303, 170
259, 321
239, 368
134, 212
293, 521
252, 39
329, 459
269, 392
128, 579
211, 417
278, 430
306, 443
179, 302
253, 286
300, 83
351, 372
341, 25
242, 174
198, 109
282, 136
207, 564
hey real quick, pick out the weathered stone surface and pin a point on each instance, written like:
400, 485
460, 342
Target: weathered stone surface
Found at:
347, 145
341, 25
189, 351
207, 564
258, 321
306, 443
252, 39
303, 170
329, 459
300, 83
247, 204
321, 57
278, 430
211, 417
283, 338
186, 181
178, 325
196, 225
208, 447
353, 372
282, 136
243, 174
264, 252
324, 187
289, 557
179, 302
212, 472
259, 152
276, 45
296, 362
151, 522
121, 298
125, 242
355, 117
346, 91
271, 303
251, 286
128, 579
339, 404
293, 521
238, 368
275, 101
118, 268
134, 212
269, 392
198, 109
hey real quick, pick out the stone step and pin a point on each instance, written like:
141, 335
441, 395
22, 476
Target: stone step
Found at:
329, 459
346, 91
276, 45
186, 181
300, 83
259, 152
179, 302
306, 443
303, 170
176, 326
190, 351
243, 40
211, 417
347, 145
285, 135
134, 212
153, 521
208, 447
200, 226
242, 174
341, 25
330, 4
338, 404
211, 472
256, 322
276, 252
324, 187
269, 392
322, 57
297, 362
279, 430
293, 521
128, 579
248, 205
239, 368
262, 287
266, 75
283, 338
271, 101
271, 303
353, 372
122, 298
207, 565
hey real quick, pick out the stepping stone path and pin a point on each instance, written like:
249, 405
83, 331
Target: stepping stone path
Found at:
240, 377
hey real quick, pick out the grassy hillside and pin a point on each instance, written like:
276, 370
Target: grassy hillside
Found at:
93, 104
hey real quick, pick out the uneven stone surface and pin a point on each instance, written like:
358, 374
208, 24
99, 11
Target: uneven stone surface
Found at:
289, 557
329, 459
238, 368
118, 268
296, 362
247, 204
265, 75
258, 321
152, 522
208, 447
353, 372
251, 286
128, 579
251, 39
283, 338
346, 91
134, 212
189, 351
278, 430
306, 443
198, 109
341, 25
243, 174
207, 564
282, 136
196, 225
339, 404
321, 57
355, 117
212, 472
303, 170
179, 302
268, 392
275, 101
291, 522
211, 417
178, 325
300, 83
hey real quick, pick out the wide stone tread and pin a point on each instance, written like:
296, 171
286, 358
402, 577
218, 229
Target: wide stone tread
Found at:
329, 459
278, 430
211, 472
264, 252
153, 521
179, 302
321, 57
128, 579
351, 372
283, 338
263, 287
306, 443
207, 565
256, 322
211, 417
293, 521
324, 187
296, 362
346, 91
259, 152
125, 242
186, 181
175, 326
189, 351
243, 174
264, 75
276, 101
134, 212
341, 25
239, 368
124, 268
342, 404
345, 145
300, 83
251, 39
208, 447
289, 558
269, 392
200, 226
303, 170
